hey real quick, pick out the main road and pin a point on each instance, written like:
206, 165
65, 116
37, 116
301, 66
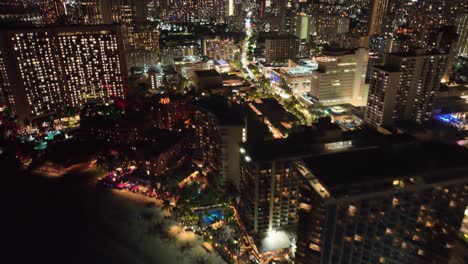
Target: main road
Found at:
248, 31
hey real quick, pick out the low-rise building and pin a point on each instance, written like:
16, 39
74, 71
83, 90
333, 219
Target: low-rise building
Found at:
279, 121
187, 65
154, 150
220, 48
207, 80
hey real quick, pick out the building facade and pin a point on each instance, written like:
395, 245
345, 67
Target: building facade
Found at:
340, 77
219, 129
462, 30
281, 48
404, 88
52, 68
394, 216
269, 192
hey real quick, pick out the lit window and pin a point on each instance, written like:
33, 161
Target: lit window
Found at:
314, 247
352, 210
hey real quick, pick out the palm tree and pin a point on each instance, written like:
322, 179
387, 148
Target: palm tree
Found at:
185, 246
26, 122
201, 260
100, 162
166, 206
70, 111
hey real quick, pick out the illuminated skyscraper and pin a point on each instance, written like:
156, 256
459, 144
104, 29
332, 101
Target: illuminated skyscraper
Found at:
404, 88
37, 12
54, 67
281, 48
331, 28
88, 11
462, 30
93, 12
233, 7
340, 77
403, 203
6, 96
92, 61
379, 10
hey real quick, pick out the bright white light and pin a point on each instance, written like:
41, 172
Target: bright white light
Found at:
247, 158
275, 240
242, 150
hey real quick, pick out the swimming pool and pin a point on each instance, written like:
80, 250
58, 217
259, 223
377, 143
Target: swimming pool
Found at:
213, 216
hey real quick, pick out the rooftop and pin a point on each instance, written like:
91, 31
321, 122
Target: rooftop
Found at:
307, 63
227, 113
300, 70
386, 68
337, 52
378, 168
165, 139
314, 143
207, 73
190, 59
275, 112
417, 53
296, 146
281, 36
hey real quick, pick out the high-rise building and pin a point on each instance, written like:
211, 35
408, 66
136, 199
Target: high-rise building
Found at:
445, 40
142, 46
6, 95
108, 11
28, 12
197, 10
280, 48
269, 185
340, 77
233, 7
89, 12
219, 48
404, 204
287, 14
404, 88
53, 67
219, 129
331, 28
462, 30
379, 9
358, 13
304, 27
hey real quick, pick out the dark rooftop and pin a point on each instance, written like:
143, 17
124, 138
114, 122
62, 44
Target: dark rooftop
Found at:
227, 113
387, 68
207, 73
165, 139
281, 36
313, 143
417, 53
275, 112
337, 51
349, 172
